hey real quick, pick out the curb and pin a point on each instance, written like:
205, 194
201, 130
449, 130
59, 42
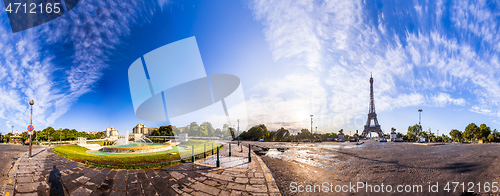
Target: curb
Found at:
268, 175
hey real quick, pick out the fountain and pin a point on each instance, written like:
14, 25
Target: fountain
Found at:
143, 145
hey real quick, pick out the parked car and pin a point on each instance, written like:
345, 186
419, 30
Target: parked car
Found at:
261, 140
383, 140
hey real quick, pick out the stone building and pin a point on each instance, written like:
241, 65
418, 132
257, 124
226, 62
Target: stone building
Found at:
111, 132
142, 129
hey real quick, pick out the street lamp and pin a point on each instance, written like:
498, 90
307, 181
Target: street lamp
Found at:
31, 102
311, 123
12, 130
419, 116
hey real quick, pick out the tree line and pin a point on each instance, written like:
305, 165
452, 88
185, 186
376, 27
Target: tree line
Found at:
55, 135
472, 133
205, 129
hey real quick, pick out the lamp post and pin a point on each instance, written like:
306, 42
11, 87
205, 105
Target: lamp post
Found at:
419, 117
316, 130
31, 102
311, 122
238, 131
12, 130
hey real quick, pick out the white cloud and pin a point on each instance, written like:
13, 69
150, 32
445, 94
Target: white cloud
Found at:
418, 8
442, 99
425, 69
30, 71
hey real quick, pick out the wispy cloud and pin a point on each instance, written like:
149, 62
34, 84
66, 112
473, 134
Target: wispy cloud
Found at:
28, 70
340, 43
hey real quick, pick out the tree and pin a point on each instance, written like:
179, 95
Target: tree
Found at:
470, 131
496, 134
206, 129
415, 129
484, 132
399, 135
423, 134
491, 137
194, 129
456, 135
177, 131
282, 134
446, 138
218, 132
7, 137
305, 134
255, 133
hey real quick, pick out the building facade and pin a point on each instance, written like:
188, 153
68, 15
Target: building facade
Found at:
142, 129
111, 132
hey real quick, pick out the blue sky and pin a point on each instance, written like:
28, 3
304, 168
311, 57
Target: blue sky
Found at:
294, 58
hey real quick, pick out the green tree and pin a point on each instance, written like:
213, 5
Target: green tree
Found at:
258, 132
218, 132
415, 129
282, 134
47, 131
470, 131
399, 135
496, 134
484, 132
491, 137
456, 135
7, 137
305, 134
194, 129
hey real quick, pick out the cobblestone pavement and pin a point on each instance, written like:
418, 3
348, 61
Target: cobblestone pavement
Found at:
49, 174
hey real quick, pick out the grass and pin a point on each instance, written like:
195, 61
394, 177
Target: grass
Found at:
78, 153
174, 149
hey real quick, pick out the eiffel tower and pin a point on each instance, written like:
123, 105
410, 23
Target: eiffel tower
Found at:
372, 116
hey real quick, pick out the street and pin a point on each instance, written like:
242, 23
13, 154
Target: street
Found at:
375, 163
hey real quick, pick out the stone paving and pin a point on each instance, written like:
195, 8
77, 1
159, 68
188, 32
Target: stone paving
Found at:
49, 174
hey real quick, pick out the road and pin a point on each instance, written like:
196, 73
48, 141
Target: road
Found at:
8, 155
377, 163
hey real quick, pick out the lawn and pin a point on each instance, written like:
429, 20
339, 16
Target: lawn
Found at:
78, 153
